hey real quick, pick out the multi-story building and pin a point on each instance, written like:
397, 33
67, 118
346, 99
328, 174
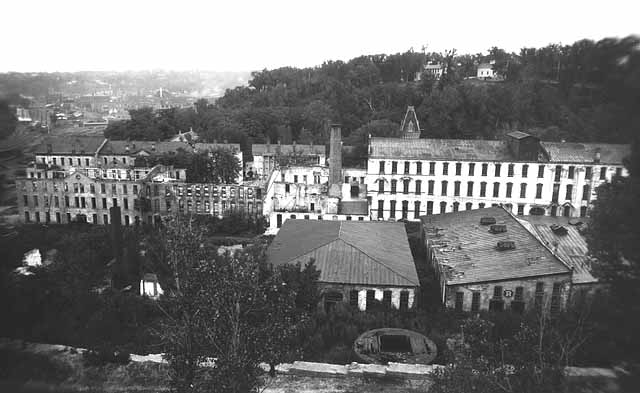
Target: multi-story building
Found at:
407, 178
486, 259
76, 197
114, 157
267, 157
81, 178
316, 192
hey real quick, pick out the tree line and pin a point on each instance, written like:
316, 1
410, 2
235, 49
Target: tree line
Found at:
587, 91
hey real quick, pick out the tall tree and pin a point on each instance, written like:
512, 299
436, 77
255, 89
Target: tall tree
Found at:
231, 307
8, 120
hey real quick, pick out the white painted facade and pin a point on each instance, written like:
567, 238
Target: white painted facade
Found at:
302, 192
395, 297
455, 194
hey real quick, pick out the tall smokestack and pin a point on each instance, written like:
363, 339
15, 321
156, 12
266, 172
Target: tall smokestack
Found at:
335, 155
119, 276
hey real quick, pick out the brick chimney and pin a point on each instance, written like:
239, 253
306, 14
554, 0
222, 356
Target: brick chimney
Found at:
335, 155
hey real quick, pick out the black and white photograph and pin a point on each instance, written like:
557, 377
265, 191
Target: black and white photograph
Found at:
319, 196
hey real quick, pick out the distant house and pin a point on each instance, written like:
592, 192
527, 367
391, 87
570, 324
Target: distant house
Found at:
359, 262
434, 70
189, 136
485, 70
486, 259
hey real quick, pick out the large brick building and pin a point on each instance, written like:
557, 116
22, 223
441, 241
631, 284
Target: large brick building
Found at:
407, 177
359, 262
80, 178
486, 259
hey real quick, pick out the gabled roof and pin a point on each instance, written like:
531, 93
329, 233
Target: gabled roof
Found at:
151, 147
484, 65
233, 147
440, 149
520, 135
135, 147
275, 149
467, 251
70, 145
585, 152
348, 252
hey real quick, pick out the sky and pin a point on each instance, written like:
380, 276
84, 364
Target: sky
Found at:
241, 35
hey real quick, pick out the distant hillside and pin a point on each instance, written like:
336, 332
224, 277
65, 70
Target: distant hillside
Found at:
194, 83
588, 91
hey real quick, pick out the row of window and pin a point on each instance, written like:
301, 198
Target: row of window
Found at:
68, 161
497, 170
444, 186
47, 218
279, 218
316, 178
155, 190
517, 304
79, 202
331, 299
566, 210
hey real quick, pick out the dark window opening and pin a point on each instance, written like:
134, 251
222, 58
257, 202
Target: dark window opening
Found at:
395, 343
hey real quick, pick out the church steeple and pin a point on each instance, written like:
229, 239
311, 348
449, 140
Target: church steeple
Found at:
410, 127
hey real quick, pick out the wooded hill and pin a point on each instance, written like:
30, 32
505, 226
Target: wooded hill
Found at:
588, 91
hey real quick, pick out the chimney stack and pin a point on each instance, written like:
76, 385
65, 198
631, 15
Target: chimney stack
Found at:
335, 155
596, 157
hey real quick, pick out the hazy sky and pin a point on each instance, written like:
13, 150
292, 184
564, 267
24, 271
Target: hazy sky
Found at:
239, 35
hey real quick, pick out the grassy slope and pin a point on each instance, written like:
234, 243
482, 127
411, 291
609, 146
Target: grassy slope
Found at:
36, 368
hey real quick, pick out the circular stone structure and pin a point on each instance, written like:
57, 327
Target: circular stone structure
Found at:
380, 346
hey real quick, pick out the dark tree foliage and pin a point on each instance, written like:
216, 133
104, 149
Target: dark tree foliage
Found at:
218, 166
8, 120
70, 301
614, 240
588, 91
232, 307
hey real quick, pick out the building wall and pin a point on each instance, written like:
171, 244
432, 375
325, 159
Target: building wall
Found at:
265, 164
284, 216
486, 291
37, 197
576, 208
345, 290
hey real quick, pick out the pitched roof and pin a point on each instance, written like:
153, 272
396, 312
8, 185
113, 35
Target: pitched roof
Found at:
467, 250
70, 145
234, 147
571, 247
520, 135
585, 152
271, 149
348, 252
492, 150
120, 147
440, 149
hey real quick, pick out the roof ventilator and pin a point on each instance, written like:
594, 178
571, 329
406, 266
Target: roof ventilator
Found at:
498, 228
506, 245
487, 220
558, 229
